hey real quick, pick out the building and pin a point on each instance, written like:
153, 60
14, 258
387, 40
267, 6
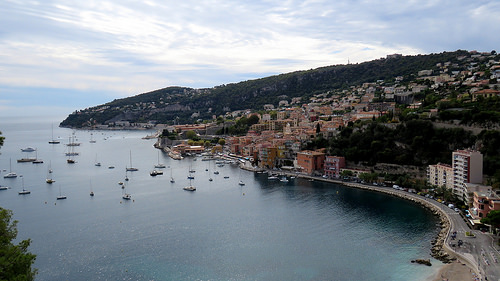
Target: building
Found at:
467, 168
440, 175
333, 164
483, 204
310, 161
267, 156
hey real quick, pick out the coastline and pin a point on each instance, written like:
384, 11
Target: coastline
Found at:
454, 267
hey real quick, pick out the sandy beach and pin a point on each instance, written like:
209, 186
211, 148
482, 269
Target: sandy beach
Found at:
455, 271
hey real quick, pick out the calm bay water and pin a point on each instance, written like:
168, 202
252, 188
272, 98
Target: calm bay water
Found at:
265, 230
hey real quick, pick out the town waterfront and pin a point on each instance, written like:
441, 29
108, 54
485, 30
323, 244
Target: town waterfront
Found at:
264, 230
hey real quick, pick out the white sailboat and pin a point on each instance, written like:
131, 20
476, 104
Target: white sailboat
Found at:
171, 176
126, 195
190, 187
96, 163
53, 141
61, 197
131, 168
159, 165
24, 191
10, 174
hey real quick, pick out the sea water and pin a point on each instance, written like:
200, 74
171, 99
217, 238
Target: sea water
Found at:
264, 230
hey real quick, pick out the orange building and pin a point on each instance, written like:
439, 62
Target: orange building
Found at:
310, 161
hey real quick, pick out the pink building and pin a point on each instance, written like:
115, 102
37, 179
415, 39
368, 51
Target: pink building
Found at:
333, 164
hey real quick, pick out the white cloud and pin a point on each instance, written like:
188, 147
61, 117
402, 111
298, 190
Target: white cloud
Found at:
129, 47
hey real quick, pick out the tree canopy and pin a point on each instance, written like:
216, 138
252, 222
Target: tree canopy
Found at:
15, 260
492, 218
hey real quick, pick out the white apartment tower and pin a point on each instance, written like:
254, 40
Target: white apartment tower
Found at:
467, 168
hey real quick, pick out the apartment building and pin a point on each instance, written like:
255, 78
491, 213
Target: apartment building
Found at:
310, 161
467, 168
440, 175
333, 164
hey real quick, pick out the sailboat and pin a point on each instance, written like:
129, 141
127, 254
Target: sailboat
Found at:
37, 161
53, 141
10, 174
126, 195
91, 191
159, 165
61, 197
190, 187
171, 176
49, 176
72, 141
92, 138
24, 191
97, 164
208, 169
131, 168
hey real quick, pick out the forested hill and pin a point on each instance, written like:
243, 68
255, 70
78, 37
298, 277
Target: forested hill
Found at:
187, 105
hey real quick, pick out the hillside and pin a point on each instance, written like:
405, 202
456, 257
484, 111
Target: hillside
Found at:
186, 105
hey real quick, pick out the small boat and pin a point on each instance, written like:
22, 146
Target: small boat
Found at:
96, 163
283, 179
171, 177
91, 191
216, 172
127, 196
189, 188
53, 141
210, 179
49, 180
120, 183
226, 177
241, 183
92, 138
111, 167
71, 161
60, 197
28, 149
131, 168
156, 173
24, 191
10, 174
3, 187
190, 177
272, 178
27, 159
159, 165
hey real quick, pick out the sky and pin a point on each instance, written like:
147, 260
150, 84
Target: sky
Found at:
58, 56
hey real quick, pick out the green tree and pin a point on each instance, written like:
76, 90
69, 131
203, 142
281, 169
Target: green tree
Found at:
191, 135
15, 260
222, 141
492, 218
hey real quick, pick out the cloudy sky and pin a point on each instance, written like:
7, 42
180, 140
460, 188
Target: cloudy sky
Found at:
57, 56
